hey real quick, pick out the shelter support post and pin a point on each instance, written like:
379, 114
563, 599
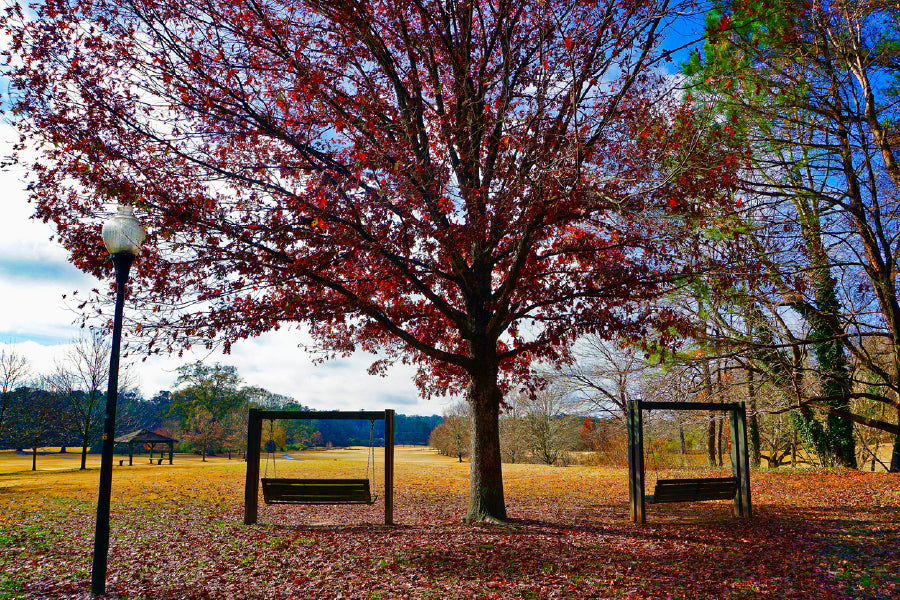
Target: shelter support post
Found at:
251, 487
636, 462
389, 466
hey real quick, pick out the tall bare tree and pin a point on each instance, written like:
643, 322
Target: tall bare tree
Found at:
80, 380
551, 431
13, 373
604, 376
811, 86
458, 419
513, 444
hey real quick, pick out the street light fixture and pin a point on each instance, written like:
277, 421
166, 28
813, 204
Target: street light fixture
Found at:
122, 236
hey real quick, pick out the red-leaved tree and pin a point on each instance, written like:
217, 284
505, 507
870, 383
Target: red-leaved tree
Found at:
466, 186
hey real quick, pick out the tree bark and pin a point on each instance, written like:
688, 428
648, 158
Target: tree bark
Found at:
720, 442
711, 423
84, 449
720, 424
486, 502
826, 335
753, 421
711, 440
895, 455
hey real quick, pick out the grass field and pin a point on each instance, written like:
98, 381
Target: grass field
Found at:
177, 532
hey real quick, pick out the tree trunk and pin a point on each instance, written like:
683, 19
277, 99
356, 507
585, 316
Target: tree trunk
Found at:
711, 424
681, 440
836, 380
84, 449
753, 421
895, 455
720, 424
711, 440
720, 442
34, 458
794, 449
835, 439
486, 502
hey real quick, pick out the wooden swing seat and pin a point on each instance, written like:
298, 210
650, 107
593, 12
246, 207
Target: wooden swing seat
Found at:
317, 491
693, 490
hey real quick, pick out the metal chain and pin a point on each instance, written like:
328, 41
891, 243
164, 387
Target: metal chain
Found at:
268, 454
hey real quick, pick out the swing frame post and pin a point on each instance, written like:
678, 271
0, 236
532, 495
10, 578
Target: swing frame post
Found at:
636, 462
740, 460
388, 466
251, 486
254, 440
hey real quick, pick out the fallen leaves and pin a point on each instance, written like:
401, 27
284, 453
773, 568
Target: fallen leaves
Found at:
814, 535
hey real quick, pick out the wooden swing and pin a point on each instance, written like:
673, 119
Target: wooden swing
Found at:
282, 490
317, 491
736, 487
279, 490
693, 490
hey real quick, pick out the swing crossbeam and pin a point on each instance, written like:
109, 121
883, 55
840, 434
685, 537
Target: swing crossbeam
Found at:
317, 491
693, 490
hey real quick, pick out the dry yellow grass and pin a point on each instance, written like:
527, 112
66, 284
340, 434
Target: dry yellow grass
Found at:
419, 472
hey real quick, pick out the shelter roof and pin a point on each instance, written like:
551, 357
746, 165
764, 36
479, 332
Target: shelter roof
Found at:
142, 436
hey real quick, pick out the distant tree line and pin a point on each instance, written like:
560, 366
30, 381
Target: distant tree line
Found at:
533, 428
207, 411
295, 435
580, 414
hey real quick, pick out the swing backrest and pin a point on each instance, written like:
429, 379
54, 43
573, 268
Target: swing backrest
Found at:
317, 491
694, 490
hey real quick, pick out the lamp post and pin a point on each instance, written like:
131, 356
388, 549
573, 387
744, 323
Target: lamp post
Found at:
122, 236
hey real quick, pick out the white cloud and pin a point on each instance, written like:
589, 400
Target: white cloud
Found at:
36, 322
21, 238
275, 362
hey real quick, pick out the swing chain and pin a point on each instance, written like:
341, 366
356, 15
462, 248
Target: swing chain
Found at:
269, 453
370, 457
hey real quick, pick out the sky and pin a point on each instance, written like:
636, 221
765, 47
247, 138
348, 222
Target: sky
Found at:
39, 324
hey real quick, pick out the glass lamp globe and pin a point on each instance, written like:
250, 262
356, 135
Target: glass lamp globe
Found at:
123, 232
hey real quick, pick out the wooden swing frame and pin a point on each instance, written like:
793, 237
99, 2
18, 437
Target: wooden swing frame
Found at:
736, 487
315, 491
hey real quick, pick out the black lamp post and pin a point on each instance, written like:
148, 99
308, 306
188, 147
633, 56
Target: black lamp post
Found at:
122, 236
